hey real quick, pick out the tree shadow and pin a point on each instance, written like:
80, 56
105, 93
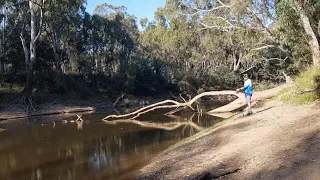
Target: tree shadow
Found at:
301, 160
183, 155
293, 152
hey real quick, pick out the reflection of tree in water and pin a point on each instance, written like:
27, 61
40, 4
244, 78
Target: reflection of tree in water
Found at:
98, 150
169, 126
192, 122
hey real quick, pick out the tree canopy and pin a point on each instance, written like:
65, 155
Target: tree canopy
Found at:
55, 46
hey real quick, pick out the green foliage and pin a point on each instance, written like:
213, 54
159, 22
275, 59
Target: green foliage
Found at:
105, 53
240, 6
306, 90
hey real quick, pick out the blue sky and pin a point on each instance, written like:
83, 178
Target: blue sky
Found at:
139, 8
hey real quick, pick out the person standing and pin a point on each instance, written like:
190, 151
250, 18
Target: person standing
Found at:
248, 88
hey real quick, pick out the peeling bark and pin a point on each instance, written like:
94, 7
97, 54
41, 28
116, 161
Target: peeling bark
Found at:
313, 41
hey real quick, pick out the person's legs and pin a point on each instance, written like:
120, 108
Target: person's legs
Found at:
249, 108
248, 101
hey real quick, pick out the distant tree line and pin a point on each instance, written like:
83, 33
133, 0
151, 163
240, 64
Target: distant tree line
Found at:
56, 47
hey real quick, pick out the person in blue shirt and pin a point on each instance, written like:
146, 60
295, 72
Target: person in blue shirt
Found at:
247, 87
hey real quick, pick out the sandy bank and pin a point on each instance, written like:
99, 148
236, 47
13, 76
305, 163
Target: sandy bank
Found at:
279, 142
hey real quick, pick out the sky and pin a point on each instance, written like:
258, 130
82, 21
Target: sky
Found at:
139, 8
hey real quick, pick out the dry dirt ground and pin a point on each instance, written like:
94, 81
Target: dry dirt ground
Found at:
281, 141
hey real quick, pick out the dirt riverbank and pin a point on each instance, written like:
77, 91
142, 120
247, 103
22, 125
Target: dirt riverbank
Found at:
281, 141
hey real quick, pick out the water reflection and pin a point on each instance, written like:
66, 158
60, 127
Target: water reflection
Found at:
95, 150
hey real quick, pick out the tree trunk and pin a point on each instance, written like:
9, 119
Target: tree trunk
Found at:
236, 61
313, 41
2, 67
28, 86
319, 28
56, 59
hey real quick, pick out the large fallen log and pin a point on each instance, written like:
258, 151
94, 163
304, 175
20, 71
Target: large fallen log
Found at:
168, 104
257, 96
234, 105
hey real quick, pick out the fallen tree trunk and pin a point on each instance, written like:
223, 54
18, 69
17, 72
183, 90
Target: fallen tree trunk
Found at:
167, 104
257, 96
234, 105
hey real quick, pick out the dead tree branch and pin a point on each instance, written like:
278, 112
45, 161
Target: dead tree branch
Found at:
234, 105
168, 104
118, 99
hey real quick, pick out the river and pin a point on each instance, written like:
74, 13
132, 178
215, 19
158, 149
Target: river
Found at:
36, 148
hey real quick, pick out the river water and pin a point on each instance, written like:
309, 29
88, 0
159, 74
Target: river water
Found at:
36, 149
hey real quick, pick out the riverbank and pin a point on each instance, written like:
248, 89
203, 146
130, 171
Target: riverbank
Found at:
280, 142
61, 105
45, 110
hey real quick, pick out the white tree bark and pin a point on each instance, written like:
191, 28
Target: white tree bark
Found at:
313, 41
170, 104
30, 54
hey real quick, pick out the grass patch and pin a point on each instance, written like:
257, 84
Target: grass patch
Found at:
264, 86
306, 90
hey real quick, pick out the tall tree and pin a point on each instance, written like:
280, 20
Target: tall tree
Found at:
301, 7
30, 52
60, 22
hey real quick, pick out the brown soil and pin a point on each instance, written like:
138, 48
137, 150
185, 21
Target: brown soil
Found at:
279, 142
17, 113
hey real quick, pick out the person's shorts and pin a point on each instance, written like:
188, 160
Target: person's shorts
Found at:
248, 98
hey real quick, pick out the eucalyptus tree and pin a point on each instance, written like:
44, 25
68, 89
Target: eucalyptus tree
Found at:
299, 18
30, 32
2, 26
114, 35
60, 22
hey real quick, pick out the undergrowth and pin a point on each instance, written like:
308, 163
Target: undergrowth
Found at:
306, 89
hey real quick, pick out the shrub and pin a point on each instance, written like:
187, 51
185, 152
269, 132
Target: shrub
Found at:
306, 90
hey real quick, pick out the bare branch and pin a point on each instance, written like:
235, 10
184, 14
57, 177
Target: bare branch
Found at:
279, 59
216, 26
25, 49
263, 47
259, 22
222, 3
171, 104
267, 10
234, 105
182, 98
118, 99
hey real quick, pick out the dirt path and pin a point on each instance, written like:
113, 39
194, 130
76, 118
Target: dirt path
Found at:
281, 142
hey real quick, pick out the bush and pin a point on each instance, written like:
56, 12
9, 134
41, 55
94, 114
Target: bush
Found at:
307, 88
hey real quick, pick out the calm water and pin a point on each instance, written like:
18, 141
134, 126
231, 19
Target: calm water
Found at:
35, 149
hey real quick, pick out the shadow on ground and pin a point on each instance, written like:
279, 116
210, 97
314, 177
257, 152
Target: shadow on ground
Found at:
289, 151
